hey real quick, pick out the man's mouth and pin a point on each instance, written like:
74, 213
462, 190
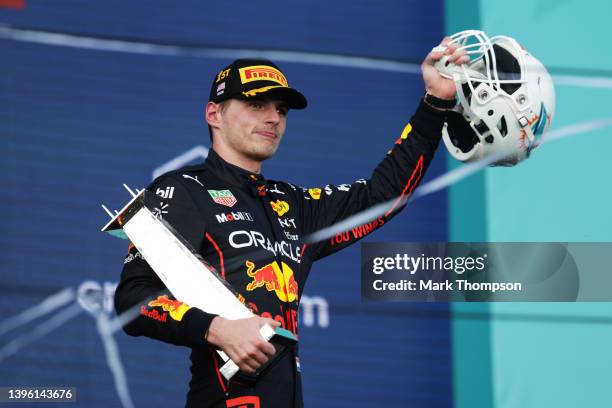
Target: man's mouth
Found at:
267, 134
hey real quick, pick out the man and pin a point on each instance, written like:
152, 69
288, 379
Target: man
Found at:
250, 228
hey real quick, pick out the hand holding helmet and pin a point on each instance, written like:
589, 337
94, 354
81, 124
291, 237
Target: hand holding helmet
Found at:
436, 83
506, 99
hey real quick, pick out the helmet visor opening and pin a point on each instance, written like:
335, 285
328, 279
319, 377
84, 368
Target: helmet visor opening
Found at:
508, 68
460, 132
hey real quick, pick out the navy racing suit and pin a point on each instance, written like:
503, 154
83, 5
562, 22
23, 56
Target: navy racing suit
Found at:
250, 230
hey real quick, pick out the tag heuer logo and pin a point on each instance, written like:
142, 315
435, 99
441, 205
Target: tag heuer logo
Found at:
223, 197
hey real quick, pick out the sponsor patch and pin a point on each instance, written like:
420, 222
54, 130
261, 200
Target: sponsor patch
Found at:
223, 74
187, 176
262, 73
176, 308
357, 232
132, 256
292, 237
315, 193
220, 88
261, 190
223, 197
246, 239
275, 190
280, 207
287, 223
274, 278
234, 216
248, 401
167, 192
153, 314
404, 134
162, 209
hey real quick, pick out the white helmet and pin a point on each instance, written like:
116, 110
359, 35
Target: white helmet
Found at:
507, 100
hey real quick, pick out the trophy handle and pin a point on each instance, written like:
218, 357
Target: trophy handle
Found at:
280, 339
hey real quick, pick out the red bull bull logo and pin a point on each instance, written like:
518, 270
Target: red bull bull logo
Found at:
275, 278
280, 207
175, 308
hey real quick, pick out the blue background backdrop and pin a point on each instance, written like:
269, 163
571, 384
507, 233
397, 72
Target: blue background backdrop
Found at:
120, 93
96, 94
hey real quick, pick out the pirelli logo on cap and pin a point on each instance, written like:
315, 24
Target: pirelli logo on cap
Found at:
262, 73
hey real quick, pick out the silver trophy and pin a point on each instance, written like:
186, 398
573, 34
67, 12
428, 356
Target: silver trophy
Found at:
186, 275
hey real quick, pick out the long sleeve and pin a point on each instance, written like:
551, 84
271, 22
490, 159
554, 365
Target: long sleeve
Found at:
159, 314
392, 181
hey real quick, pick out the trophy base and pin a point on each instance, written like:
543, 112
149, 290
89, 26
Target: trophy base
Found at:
282, 340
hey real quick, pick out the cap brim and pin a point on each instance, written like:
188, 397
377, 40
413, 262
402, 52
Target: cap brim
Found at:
293, 97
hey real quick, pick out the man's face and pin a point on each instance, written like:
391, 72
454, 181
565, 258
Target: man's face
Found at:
253, 128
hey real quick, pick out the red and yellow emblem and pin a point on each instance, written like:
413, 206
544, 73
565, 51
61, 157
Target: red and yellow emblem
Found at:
275, 278
280, 207
262, 73
315, 193
176, 308
404, 134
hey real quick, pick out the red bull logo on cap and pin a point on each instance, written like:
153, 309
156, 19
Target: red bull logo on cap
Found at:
176, 308
275, 278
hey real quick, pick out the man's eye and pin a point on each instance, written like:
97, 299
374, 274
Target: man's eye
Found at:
256, 105
282, 111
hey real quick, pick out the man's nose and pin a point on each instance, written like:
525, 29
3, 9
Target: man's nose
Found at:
272, 115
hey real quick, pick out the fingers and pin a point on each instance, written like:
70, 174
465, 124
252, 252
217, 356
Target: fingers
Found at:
261, 353
266, 347
457, 55
254, 356
266, 320
251, 362
454, 52
246, 347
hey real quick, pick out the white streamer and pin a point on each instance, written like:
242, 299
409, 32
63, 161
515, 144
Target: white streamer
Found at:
48, 305
311, 58
454, 176
444, 181
113, 359
39, 331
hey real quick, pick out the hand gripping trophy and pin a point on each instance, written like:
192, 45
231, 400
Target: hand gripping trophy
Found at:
184, 272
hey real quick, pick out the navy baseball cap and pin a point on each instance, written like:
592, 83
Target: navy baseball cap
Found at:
249, 78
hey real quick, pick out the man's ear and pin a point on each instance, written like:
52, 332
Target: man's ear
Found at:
212, 114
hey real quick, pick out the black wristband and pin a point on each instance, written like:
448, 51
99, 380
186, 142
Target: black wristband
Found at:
437, 103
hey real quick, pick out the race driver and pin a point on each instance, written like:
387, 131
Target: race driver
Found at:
250, 229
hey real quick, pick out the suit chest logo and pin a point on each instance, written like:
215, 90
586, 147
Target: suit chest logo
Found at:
223, 197
280, 207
